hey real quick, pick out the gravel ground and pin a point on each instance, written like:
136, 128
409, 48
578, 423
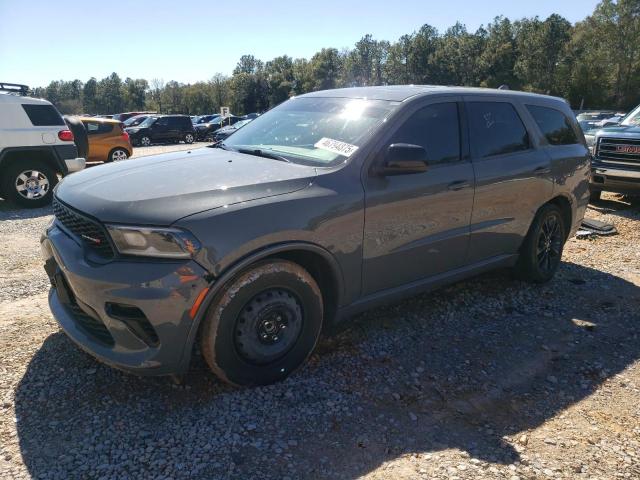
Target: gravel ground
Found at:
488, 378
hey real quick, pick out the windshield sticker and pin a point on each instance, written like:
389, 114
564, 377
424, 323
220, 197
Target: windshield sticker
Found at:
336, 146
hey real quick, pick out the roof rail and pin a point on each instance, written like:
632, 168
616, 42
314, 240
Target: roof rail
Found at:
15, 88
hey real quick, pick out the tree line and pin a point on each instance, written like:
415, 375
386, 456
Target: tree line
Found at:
593, 64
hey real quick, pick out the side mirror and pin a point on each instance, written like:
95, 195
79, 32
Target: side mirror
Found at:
404, 159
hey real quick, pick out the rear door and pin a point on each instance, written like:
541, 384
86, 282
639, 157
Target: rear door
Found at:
417, 225
513, 175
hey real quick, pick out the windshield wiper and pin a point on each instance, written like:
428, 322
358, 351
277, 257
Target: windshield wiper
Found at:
263, 153
222, 146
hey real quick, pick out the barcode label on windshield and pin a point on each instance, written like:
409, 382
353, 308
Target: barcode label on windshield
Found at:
336, 146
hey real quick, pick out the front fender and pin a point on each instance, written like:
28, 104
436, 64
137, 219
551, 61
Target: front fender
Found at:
217, 283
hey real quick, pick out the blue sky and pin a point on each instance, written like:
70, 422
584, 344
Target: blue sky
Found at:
44, 40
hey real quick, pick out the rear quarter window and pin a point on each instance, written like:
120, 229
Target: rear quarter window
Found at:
43, 115
554, 125
95, 128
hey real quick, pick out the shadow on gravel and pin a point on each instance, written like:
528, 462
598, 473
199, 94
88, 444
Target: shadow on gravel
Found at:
457, 369
8, 211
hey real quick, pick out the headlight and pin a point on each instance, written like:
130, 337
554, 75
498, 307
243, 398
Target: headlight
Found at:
591, 142
154, 242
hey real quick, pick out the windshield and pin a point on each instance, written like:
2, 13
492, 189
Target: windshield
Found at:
148, 122
207, 118
633, 118
132, 120
241, 123
316, 131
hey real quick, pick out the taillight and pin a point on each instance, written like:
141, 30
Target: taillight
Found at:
125, 135
65, 135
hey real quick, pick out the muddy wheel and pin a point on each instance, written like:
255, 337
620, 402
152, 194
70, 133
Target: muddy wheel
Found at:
263, 324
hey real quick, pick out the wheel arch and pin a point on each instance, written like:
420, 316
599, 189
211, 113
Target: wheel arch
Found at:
42, 154
318, 261
564, 204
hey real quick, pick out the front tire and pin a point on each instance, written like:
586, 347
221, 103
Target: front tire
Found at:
541, 251
189, 138
29, 184
145, 141
263, 324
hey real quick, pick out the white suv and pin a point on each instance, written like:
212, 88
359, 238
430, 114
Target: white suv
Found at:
35, 147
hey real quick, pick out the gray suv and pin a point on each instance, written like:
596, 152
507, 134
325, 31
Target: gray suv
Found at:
327, 205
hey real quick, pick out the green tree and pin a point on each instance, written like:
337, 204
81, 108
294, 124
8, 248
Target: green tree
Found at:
498, 57
109, 98
279, 76
325, 67
540, 46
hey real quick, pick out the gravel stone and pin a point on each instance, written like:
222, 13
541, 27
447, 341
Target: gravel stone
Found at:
507, 379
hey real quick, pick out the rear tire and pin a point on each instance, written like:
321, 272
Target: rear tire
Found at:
263, 324
189, 138
29, 184
117, 155
541, 251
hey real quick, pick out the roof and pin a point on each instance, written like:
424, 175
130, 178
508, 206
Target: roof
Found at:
400, 93
98, 119
14, 98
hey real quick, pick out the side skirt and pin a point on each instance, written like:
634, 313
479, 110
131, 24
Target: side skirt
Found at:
392, 295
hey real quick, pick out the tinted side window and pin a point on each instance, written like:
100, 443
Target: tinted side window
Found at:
495, 128
554, 124
162, 122
435, 128
94, 128
43, 115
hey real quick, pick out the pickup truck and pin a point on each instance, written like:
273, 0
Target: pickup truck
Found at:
616, 157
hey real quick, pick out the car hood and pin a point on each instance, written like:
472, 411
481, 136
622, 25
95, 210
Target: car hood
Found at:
621, 131
160, 189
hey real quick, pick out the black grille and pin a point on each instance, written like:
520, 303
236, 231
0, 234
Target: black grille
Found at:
90, 325
91, 233
622, 151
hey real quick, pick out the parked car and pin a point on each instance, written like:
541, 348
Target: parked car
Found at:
127, 115
224, 132
135, 121
326, 205
205, 131
589, 120
162, 129
611, 121
35, 147
206, 118
616, 157
108, 140
251, 116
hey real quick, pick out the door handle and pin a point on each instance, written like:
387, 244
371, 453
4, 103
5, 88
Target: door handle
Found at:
542, 171
458, 185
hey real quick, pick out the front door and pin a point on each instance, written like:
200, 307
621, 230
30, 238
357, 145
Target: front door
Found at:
417, 225
160, 129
